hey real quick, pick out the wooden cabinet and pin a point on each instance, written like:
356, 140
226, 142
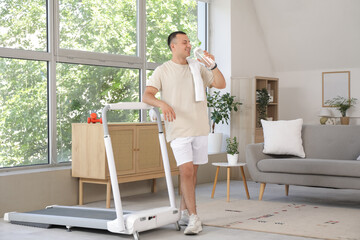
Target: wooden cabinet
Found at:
272, 85
136, 150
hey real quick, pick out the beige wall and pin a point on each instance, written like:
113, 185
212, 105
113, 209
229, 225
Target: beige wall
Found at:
29, 190
301, 95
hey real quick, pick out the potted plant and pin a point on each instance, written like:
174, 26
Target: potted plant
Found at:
342, 104
262, 100
221, 106
232, 150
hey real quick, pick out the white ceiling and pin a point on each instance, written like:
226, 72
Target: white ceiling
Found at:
311, 34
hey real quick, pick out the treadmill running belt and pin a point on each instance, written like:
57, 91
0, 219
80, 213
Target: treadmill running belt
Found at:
81, 213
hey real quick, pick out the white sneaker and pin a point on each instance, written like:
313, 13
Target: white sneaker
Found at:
184, 220
194, 226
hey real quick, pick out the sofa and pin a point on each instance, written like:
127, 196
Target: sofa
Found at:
330, 160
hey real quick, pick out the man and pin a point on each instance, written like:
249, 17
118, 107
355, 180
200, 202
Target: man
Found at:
186, 120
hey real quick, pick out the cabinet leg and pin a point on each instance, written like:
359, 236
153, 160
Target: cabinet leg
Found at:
153, 187
81, 192
108, 194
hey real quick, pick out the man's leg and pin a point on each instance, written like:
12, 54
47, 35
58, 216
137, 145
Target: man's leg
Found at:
188, 182
185, 151
183, 204
187, 178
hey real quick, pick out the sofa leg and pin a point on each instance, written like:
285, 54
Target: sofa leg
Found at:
287, 190
262, 189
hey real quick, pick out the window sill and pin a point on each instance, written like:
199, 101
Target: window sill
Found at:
34, 169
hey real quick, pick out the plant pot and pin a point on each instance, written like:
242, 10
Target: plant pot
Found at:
344, 120
232, 159
214, 142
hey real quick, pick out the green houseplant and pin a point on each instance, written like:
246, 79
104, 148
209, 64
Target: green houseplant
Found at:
221, 106
342, 104
262, 100
232, 150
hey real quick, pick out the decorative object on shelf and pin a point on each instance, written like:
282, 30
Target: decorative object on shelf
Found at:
342, 104
262, 100
271, 96
324, 115
232, 150
94, 119
330, 121
222, 105
271, 93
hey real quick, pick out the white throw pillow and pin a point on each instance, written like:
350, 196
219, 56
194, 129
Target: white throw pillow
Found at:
283, 137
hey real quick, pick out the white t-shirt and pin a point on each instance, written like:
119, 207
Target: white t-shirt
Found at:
176, 84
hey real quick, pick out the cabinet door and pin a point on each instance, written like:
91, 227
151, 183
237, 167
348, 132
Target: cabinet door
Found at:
123, 143
88, 151
171, 157
148, 150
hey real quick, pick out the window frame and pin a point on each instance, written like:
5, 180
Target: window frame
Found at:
55, 54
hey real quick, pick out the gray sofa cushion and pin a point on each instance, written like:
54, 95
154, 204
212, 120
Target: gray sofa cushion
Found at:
331, 141
346, 168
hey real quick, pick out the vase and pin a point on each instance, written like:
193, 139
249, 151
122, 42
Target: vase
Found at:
232, 159
214, 143
344, 120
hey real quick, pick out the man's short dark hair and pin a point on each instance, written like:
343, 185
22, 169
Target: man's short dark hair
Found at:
172, 36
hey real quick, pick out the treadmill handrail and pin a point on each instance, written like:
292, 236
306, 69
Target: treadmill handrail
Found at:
129, 105
118, 224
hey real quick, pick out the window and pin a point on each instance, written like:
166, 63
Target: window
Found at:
170, 16
23, 120
18, 28
60, 60
83, 89
105, 26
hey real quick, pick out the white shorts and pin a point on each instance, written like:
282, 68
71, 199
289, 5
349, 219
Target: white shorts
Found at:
190, 149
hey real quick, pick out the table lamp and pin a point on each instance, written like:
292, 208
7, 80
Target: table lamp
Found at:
324, 114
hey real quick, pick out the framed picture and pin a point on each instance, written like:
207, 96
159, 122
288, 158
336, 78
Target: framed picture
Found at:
335, 84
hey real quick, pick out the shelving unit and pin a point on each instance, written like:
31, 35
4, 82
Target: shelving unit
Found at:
272, 85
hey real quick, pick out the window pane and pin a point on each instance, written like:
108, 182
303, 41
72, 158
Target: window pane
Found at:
149, 73
23, 107
23, 24
82, 89
165, 17
104, 26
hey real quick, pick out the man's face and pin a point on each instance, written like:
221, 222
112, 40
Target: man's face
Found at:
181, 46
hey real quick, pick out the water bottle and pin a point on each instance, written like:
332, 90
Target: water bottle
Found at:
208, 62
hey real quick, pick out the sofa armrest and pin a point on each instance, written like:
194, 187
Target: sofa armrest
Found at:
254, 153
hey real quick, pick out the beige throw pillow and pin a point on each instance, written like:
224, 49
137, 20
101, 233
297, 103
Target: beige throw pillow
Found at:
283, 137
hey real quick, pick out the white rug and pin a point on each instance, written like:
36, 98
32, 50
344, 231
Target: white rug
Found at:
283, 218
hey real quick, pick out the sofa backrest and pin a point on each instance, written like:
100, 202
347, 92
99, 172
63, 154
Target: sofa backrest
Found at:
340, 142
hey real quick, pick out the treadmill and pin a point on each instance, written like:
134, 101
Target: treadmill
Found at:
114, 220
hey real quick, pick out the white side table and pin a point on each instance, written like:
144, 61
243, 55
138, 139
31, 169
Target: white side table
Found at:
228, 166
